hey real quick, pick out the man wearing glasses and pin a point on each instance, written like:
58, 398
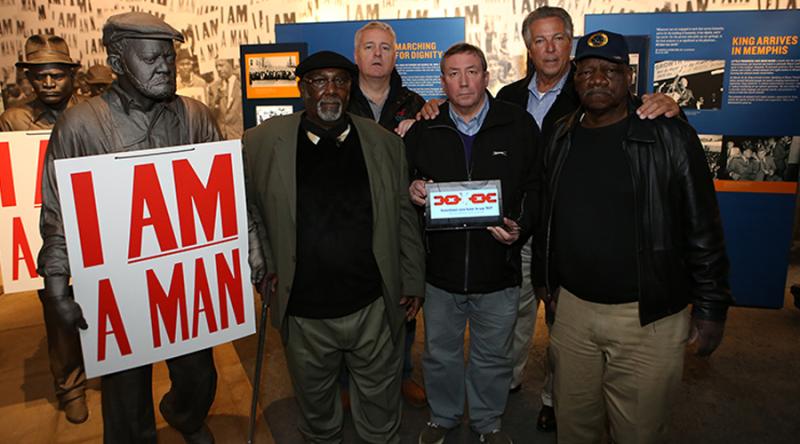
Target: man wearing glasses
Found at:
334, 234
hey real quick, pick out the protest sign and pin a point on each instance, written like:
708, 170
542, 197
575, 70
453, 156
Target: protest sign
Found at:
157, 243
21, 157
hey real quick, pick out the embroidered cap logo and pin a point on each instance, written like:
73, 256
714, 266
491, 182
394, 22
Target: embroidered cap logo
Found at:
598, 40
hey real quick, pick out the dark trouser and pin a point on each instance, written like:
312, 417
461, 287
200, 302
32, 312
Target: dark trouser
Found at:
64, 351
411, 335
408, 364
128, 415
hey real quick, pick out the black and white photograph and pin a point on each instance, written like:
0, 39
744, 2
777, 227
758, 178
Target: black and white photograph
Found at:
272, 70
759, 158
694, 84
264, 112
712, 146
634, 64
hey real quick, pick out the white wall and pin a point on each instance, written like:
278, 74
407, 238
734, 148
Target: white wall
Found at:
215, 28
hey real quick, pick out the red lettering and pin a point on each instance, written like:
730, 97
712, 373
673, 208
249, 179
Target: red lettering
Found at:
438, 200
168, 305
8, 197
37, 198
201, 292
491, 198
22, 250
229, 283
108, 311
190, 193
86, 214
147, 192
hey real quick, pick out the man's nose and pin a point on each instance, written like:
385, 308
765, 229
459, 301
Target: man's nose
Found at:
330, 88
162, 65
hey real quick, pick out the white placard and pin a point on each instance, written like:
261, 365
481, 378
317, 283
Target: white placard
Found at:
157, 243
21, 157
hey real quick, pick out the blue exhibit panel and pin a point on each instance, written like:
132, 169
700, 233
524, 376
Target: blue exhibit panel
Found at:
759, 47
758, 234
420, 45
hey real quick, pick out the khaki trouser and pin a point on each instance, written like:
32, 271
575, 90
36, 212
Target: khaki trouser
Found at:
315, 350
608, 365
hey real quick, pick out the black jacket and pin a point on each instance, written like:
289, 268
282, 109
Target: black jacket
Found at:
506, 148
681, 250
566, 102
401, 104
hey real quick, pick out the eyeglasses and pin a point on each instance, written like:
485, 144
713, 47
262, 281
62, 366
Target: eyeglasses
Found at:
322, 82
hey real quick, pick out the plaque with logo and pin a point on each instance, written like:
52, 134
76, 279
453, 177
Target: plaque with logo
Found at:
463, 205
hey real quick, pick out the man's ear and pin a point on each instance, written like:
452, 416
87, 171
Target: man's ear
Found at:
115, 63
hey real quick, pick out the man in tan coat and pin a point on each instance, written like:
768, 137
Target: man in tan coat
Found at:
334, 233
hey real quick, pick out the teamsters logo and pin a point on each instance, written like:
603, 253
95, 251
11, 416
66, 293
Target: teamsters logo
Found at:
598, 40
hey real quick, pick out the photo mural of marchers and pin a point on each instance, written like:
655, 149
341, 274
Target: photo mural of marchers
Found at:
214, 30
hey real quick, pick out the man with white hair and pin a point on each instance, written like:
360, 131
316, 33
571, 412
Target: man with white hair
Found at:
378, 93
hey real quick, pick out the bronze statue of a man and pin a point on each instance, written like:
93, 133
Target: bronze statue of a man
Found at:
139, 111
51, 73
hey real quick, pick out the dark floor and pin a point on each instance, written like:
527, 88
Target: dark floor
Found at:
747, 392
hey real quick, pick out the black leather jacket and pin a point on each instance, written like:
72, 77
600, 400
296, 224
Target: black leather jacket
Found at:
681, 250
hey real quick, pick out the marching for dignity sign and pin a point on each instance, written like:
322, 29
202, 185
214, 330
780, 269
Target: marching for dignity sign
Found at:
157, 243
21, 158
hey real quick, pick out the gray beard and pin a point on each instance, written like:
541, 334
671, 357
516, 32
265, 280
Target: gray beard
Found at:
330, 116
154, 92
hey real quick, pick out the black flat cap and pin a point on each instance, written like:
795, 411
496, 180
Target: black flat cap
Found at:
604, 45
138, 25
325, 59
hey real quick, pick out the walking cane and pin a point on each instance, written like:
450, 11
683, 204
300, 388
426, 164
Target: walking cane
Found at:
262, 336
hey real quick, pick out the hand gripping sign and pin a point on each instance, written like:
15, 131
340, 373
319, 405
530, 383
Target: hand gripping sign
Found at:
157, 243
21, 158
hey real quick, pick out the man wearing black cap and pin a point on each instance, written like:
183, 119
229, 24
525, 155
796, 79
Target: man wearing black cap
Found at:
140, 111
51, 72
333, 231
632, 236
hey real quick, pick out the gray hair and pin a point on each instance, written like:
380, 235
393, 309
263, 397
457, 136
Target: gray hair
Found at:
374, 25
461, 48
542, 13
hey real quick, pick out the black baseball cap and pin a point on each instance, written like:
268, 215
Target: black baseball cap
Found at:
604, 45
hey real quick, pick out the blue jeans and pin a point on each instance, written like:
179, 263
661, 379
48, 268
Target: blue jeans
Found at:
485, 379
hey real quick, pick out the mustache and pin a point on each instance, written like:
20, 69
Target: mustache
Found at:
591, 91
331, 100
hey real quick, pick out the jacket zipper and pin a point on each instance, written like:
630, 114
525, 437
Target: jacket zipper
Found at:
637, 221
469, 177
